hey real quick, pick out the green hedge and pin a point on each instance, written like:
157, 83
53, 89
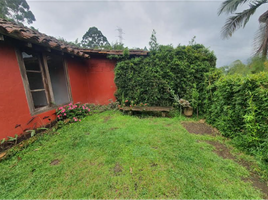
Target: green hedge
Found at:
238, 107
148, 79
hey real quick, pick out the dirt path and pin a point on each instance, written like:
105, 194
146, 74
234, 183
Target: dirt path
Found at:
222, 151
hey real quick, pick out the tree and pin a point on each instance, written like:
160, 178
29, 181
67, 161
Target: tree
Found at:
94, 38
153, 42
17, 11
240, 19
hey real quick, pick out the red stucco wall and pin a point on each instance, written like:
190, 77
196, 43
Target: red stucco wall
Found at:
77, 70
91, 81
101, 80
13, 103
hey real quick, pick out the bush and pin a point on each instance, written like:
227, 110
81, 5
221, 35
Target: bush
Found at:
238, 107
149, 79
72, 112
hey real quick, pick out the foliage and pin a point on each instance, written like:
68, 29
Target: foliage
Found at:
255, 65
116, 46
238, 107
72, 112
120, 57
149, 79
184, 103
132, 103
153, 42
75, 43
16, 10
236, 67
240, 19
94, 38
112, 156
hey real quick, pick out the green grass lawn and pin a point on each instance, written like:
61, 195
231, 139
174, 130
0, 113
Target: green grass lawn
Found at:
110, 155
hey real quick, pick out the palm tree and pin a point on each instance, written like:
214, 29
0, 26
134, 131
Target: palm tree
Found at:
240, 19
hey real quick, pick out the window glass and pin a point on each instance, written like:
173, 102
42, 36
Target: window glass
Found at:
31, 61
35, 78
58, 79
39, 99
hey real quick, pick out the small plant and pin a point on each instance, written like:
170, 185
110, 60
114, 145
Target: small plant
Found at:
13, 139
2, 141
184, 103
132, 104
72, 112
112, 105
33, 132
195, 99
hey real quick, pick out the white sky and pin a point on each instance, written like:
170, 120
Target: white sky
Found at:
175, 21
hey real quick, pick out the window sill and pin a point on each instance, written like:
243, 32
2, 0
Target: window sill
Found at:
47, 109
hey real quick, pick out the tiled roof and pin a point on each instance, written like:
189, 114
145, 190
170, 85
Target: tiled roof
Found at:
26, 34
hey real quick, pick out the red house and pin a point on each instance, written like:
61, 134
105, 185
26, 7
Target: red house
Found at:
39, 73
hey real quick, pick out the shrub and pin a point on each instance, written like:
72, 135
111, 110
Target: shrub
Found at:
72, 112
149, 79
238, 107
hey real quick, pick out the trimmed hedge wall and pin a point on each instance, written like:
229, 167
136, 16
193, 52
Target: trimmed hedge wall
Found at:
148, 79
238, 107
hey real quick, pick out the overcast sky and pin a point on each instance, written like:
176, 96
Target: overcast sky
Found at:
175, 21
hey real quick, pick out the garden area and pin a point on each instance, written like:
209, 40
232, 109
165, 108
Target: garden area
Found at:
110, 155
124, 150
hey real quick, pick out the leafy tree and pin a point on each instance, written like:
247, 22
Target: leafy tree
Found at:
17, 11
237, 67
255, 65
240, 19
153, 42
94, 38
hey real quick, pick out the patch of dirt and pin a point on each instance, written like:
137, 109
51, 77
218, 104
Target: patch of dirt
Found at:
154, 165
254, 179
199, 128
221, 150
106, 119
118, 169
114, 128
55, 162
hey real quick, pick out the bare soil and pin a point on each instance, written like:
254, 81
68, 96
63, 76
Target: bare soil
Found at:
106, 119
55, 162
200, 128
224, 152
118, 169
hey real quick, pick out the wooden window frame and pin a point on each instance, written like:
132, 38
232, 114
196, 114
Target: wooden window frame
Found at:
46, 81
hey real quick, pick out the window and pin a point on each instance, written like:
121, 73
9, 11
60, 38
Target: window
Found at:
45, 80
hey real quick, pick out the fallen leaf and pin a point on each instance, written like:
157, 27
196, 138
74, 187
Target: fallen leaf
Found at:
2, 154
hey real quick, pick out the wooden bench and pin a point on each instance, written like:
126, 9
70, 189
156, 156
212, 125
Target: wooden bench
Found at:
163, 110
